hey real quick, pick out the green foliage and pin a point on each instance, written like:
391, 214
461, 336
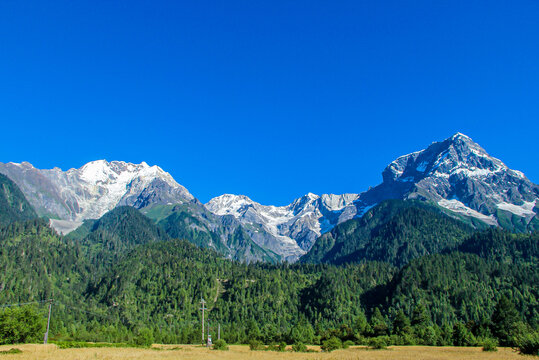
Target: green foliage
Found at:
527, 342
462, 336
503, 246
299, 347
460, 287
13, 205
378, 343
256, 345
147, 289
489, 344
394, 231
197, 225
402, 324
504, 321
282, 346
220, 345
118, 232
331, 344
144, 337
20, 325
347, 344
11, 351
378, 324
83, 344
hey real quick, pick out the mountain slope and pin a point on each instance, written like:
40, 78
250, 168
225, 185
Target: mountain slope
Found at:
394, 231
95, 188
294, 227
13, 204
36, 263
118, 232
457, 174
224, 234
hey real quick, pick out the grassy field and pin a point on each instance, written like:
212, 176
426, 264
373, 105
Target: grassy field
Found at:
31, 351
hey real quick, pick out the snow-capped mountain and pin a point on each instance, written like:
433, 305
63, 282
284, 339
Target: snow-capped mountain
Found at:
295, 226
90, 191
461, 176
457, 174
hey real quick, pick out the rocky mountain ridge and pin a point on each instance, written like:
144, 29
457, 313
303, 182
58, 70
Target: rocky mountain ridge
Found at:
72, 196
457, 174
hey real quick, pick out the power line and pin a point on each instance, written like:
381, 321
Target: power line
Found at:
26, 303
89, 312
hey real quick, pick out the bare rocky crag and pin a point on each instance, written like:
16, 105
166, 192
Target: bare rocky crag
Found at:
457, 174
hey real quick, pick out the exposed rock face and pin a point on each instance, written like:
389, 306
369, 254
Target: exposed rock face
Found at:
456, 173
295, 226
95, 188
459, 175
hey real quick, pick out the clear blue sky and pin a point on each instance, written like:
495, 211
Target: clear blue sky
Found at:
271, 99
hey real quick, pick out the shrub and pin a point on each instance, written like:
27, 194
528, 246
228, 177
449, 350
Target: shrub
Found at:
220, 345
84, 344
347, 344
11, 351
528, 342
256, 345
282, 346
299, 347
378, 343
144, 337
489, 345
331, 344
20, 325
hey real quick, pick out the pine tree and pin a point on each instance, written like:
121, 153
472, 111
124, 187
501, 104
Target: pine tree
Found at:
504, 321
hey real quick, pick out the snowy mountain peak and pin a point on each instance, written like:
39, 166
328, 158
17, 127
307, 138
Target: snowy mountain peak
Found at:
456, 155
460, 175
299, 223
229, 204
94, 188
460, 135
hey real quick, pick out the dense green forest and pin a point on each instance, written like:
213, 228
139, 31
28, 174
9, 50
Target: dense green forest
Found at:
13, 204
395, 231
124, 279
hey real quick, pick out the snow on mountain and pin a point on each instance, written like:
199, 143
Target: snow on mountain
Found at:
299, 223
461, 176
456, 173
95, 188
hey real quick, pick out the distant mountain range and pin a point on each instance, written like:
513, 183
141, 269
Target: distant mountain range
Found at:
455, 175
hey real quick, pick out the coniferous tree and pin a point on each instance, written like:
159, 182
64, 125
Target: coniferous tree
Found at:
504, 321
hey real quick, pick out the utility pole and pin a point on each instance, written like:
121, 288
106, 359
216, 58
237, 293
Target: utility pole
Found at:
48, 323
219, 332
203, 308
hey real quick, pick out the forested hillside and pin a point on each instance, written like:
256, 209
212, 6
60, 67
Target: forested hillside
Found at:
13, 204
394, 231
122, 278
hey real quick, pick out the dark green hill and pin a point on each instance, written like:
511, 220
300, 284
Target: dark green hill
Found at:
117, 232
193, 222
503, 246
13, 204
464, 287
37, 264
394, 231
160, 284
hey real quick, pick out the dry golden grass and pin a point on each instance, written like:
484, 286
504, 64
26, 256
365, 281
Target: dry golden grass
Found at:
192, 352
